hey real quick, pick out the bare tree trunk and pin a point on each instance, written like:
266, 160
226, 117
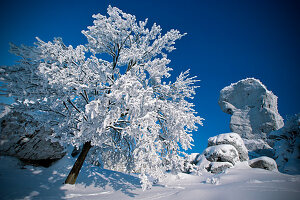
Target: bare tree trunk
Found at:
71, 179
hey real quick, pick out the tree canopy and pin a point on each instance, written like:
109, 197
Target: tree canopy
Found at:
111, 92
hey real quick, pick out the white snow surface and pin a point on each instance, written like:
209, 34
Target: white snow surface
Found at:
239, 182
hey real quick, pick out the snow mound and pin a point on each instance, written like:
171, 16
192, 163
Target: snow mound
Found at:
196, 163
253, 109
193, 158
231, 138
217, 167
203, 163
190, 162
222, 153
94, 183
263, 162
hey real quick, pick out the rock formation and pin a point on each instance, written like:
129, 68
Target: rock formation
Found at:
287, 146
263, 162
22, 137
222, 153
254, 112
233, 139
217, 167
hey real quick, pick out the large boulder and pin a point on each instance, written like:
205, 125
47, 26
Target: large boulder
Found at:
231, 138
217, 167
253, 109
222, 153
22, 137
263, 162
287, 145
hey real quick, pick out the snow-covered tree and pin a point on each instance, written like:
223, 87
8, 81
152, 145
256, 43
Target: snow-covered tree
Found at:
121, 105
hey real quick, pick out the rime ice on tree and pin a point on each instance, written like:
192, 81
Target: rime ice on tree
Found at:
121, 105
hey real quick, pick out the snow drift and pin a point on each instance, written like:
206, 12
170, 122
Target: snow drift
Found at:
239, 182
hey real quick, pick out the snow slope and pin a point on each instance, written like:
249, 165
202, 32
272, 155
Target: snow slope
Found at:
241, 182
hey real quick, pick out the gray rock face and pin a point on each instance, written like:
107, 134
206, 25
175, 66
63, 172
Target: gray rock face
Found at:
222, 153
253, 109
263, 163
217, 167
233, 139
22, 137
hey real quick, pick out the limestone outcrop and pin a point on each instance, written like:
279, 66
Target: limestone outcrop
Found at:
254, 112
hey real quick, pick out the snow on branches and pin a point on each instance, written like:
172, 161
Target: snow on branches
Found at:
120, 105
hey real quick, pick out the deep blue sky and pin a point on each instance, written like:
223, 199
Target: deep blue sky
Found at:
226, 42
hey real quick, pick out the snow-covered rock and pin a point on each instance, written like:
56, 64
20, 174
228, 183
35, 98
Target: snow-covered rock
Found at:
287, 145
231, 138
255, 144
217, 167
193, 158
190, 162
263, 162
22, 137
259, 147
195, 162
203, 163
253, 109
222, 153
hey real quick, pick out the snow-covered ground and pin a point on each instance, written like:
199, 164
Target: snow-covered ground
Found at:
241, 182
